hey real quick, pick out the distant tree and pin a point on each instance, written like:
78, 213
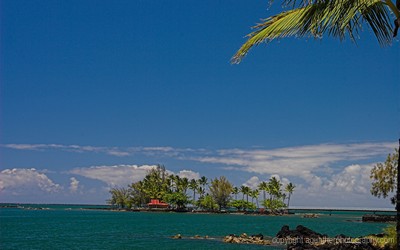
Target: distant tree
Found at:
276, 198
254, 195
120, 197
242, 205
235, 191
183, 184
138, 193
155, 183
178, 200
208, 203
384, 177
275, 187
263, 186
201, 191
274, 205
193, 185
221, 190
203, 181
245, 191
289, 188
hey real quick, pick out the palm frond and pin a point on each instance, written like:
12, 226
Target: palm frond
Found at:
337, 18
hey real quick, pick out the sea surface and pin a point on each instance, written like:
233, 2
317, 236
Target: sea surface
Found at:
77, 227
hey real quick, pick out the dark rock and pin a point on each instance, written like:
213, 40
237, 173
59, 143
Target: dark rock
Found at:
308, 233
378, 218
341, 236
284, 232
258, 236
299, 232
303, 238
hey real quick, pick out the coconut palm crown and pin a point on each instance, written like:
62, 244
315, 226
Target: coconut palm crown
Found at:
336, 18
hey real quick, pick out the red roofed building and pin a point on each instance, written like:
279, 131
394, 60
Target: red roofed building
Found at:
155, 203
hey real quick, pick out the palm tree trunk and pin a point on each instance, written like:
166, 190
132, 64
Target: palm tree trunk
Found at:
398, 201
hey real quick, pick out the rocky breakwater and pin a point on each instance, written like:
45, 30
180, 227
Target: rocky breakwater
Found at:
378, 218
245, 239
303, 238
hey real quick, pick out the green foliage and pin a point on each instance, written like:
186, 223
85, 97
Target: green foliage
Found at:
384, 177
391, 236
120, 197
235, 191
242, 205
221, 190
274, 205
264, 187
194, 185
138, 194
157, 184
314, 18
245, 191
289, 189
177, 199
208, 203
388, 241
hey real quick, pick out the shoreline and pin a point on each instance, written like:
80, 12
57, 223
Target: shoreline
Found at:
108, 207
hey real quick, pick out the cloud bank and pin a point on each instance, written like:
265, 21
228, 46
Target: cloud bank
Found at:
329, 172
22, 181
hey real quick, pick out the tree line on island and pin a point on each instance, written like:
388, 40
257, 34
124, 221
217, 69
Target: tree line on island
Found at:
202, 194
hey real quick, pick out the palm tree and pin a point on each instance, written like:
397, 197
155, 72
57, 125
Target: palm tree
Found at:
193, 185
337, 18
263, 186
245, 191
201, 192
289, 189
275, 187
203, 181
254, 195
235, 191
183, 185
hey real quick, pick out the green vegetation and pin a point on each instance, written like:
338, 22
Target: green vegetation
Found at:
337, 18
216, 195
221, 190
388, 241
384, 177
120, 197
242, 205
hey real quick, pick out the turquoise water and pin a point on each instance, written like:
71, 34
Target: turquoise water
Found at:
63, 227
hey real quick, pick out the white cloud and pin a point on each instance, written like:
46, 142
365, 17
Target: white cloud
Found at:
24, 180
189, 174
252, 182
296, 161
74, 185
354, 178
329, 172
114, 151
123, 175
119, 175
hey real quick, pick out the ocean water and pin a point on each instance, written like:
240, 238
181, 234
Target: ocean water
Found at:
66, 227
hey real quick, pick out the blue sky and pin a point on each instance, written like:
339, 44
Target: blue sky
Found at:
91, 89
